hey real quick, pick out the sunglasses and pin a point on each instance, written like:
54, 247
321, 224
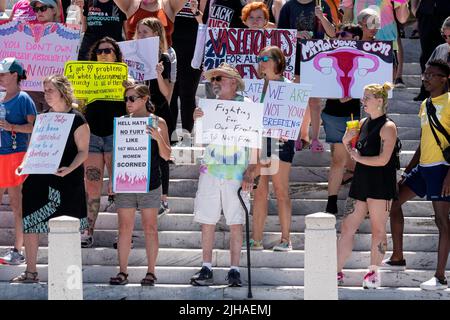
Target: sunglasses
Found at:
41, 9
218, 78
343, 34
105, 51
264, 58
131, 98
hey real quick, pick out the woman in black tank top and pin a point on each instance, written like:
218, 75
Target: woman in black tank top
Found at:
137, 97
374, 183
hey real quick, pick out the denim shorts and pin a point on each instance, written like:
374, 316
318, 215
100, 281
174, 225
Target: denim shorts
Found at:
427, 181
100, 144
149, 200
334, 127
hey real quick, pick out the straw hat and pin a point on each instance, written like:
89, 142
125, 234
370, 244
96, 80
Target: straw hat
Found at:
226, 70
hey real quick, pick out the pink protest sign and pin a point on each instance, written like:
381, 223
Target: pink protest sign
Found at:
43, 49
341, 68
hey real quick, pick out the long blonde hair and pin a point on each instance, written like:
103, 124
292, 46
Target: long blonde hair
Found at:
380, 91
156, 26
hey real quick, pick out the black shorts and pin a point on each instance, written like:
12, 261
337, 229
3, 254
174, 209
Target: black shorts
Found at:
284, 150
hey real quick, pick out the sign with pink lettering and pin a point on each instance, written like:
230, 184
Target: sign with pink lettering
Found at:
131, 155
240, 48
47, 143
43, 49
341, 68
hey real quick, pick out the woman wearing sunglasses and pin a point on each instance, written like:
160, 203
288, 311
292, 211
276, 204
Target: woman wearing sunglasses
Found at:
272, 64
137, 99
100, 115
38, 11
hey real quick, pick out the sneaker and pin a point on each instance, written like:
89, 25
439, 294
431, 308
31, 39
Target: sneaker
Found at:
13, 257
203, 278
163, 209
389, 264
372, 280
283, 246
398, 83
234, 278
87, 241
434, 284
117, 239
254, 245
340, 278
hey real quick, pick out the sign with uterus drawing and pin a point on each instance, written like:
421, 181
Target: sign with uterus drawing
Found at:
341, 68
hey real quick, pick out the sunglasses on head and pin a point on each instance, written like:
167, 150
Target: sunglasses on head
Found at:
131, 98
264, 58
42, 8
105, 51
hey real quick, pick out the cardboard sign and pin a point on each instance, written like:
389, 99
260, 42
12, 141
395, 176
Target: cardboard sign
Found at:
284, 108
43, 49
254, 89
131, 155
47, 144
240, 48
97, 80
341, 68
141, 56
230, 123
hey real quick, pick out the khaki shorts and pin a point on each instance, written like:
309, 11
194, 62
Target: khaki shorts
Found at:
149, 200
215, 195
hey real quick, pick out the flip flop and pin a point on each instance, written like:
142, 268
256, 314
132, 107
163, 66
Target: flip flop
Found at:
316, 146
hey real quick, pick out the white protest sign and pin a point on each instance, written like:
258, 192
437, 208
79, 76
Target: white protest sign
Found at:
230, 123
284, 107
132, 154
43, 49
47, 143
254, 89
141, 56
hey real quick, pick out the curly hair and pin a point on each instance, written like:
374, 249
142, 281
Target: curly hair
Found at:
64, 87
93, 55
248, 8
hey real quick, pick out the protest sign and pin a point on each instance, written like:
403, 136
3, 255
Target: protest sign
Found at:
141, 56
284, 107
132, 155
240, 48
43, 49
253, 89
97, 80
341, 68
47, 144
230, 123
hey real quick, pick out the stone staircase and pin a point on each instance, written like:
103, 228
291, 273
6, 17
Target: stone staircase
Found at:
275, 275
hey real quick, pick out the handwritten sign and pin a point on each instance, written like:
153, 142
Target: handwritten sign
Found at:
97, 80
141, 56
47, 143
132, 155
230, 123
254, 89
240, 48
43, 49
284, 108
341, 68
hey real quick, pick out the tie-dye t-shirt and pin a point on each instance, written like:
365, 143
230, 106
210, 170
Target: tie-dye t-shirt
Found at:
385, 8
225, 162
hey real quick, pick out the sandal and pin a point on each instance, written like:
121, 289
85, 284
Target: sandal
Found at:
148, 281
316, 146
119, 280
301, 144
26, 277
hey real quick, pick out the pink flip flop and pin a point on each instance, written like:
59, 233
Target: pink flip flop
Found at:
316, 146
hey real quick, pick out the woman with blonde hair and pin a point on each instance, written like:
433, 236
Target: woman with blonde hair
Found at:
374, 184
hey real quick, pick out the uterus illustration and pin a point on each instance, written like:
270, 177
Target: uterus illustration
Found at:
346, 62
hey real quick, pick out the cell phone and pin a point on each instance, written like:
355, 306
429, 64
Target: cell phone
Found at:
154, 122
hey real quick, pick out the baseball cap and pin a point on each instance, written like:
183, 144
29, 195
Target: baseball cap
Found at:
11, 65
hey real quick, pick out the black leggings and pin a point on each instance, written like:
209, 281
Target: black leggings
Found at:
164, 168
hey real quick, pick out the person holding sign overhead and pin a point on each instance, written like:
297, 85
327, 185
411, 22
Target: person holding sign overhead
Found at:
62, 191
271, 67
224, 170
100, 116
137, 98
19, 113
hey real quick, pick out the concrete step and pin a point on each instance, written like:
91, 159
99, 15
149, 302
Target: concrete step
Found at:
411, 68
192, 240
411, 50
93, 291
260, 276
221, 258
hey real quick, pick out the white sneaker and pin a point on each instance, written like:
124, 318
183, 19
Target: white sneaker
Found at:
434, 284
372, 280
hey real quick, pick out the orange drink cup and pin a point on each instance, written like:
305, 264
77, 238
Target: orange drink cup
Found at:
354, 124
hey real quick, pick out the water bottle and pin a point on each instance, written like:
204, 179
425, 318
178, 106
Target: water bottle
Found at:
2, 107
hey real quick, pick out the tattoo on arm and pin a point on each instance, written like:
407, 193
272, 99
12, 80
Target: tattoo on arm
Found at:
382, 246
93, 174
